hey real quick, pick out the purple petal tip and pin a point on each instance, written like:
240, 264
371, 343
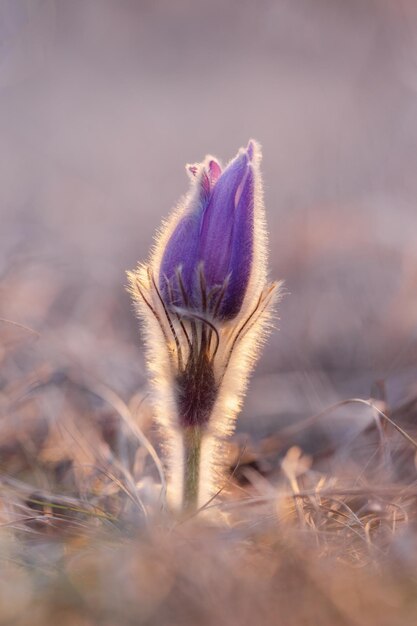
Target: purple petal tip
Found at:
251, 150
192, 169
214, 170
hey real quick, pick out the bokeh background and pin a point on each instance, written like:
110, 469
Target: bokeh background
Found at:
102, 102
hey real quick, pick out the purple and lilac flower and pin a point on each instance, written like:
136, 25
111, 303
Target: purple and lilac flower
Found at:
206, 303
208, 258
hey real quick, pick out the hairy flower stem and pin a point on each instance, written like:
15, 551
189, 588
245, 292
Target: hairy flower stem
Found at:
192, 459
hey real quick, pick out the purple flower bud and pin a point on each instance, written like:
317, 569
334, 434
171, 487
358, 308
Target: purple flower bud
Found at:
208, 258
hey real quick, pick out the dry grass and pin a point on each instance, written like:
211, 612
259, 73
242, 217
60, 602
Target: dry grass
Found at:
312, 527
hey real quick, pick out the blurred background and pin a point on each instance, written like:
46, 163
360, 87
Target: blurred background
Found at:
102, 102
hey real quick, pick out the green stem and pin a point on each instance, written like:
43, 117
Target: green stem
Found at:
192, 459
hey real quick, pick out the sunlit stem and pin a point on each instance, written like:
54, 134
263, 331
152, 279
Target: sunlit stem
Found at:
192, 459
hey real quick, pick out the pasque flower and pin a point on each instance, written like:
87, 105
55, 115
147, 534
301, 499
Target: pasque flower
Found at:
212, 244
205, 301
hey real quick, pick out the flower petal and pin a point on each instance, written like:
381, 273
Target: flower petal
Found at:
215, 171
181, 251
241, 257
218, 222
